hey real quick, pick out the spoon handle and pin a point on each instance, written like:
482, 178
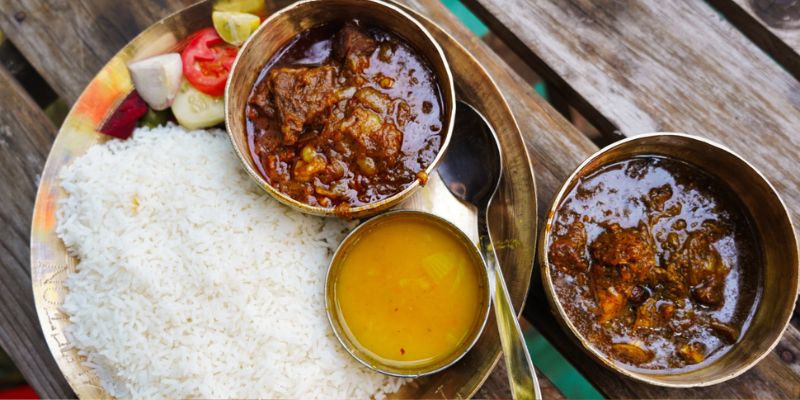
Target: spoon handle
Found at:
521, 375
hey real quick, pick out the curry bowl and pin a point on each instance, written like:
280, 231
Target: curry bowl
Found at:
407, 293
283, 29
766, 310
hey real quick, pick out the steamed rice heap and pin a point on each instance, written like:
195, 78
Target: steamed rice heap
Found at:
193, 282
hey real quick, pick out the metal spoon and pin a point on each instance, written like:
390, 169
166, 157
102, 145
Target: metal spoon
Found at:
471, 169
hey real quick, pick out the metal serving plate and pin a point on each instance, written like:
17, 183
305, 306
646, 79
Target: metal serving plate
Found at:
513, 213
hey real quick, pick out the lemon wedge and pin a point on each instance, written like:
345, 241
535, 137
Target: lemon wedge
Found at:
234, 27
245, 6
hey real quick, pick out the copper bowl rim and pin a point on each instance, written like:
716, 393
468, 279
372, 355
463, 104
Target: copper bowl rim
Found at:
446, 85
566, 322
461, 237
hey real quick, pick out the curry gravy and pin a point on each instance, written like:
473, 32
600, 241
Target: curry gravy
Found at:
655, 263
345, 115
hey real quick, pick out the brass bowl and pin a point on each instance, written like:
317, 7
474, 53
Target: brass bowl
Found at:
283, 26
773, 228
373, 362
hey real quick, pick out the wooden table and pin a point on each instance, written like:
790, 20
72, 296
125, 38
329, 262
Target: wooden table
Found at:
725, 69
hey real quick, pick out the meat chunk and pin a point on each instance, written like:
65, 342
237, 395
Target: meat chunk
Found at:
373, 137
671, 279
692, 353
710, 292
567, 251
353, 47
386, 144
623, 259
704, 269
629, 252
657, 197
647, 315
611, 302
301, 96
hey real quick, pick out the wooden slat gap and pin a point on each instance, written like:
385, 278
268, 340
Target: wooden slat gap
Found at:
25, 74
761, 35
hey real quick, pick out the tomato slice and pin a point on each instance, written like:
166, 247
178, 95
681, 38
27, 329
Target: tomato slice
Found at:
207, 61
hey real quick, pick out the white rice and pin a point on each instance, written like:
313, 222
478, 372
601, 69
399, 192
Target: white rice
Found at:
193, 282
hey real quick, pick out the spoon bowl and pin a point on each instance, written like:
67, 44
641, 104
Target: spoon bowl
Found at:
473, 180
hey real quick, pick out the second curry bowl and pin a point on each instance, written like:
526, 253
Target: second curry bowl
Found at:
671, 260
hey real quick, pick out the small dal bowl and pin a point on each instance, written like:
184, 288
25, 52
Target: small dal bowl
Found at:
411, 371
773, 228
283, 26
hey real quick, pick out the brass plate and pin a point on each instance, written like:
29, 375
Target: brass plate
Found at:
513, 214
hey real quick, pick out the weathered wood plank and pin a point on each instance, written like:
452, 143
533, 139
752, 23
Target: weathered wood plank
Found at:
496, 386
67, 41
772, 25
663, 66
25, 138
554, 145
636, 67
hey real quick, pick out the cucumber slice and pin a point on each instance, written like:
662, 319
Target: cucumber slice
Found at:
194, 109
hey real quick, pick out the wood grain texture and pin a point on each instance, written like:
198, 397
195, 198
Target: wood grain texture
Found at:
637, 67
638, 74
68, 41
554, 145
496, 387
772, 25
25, 137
